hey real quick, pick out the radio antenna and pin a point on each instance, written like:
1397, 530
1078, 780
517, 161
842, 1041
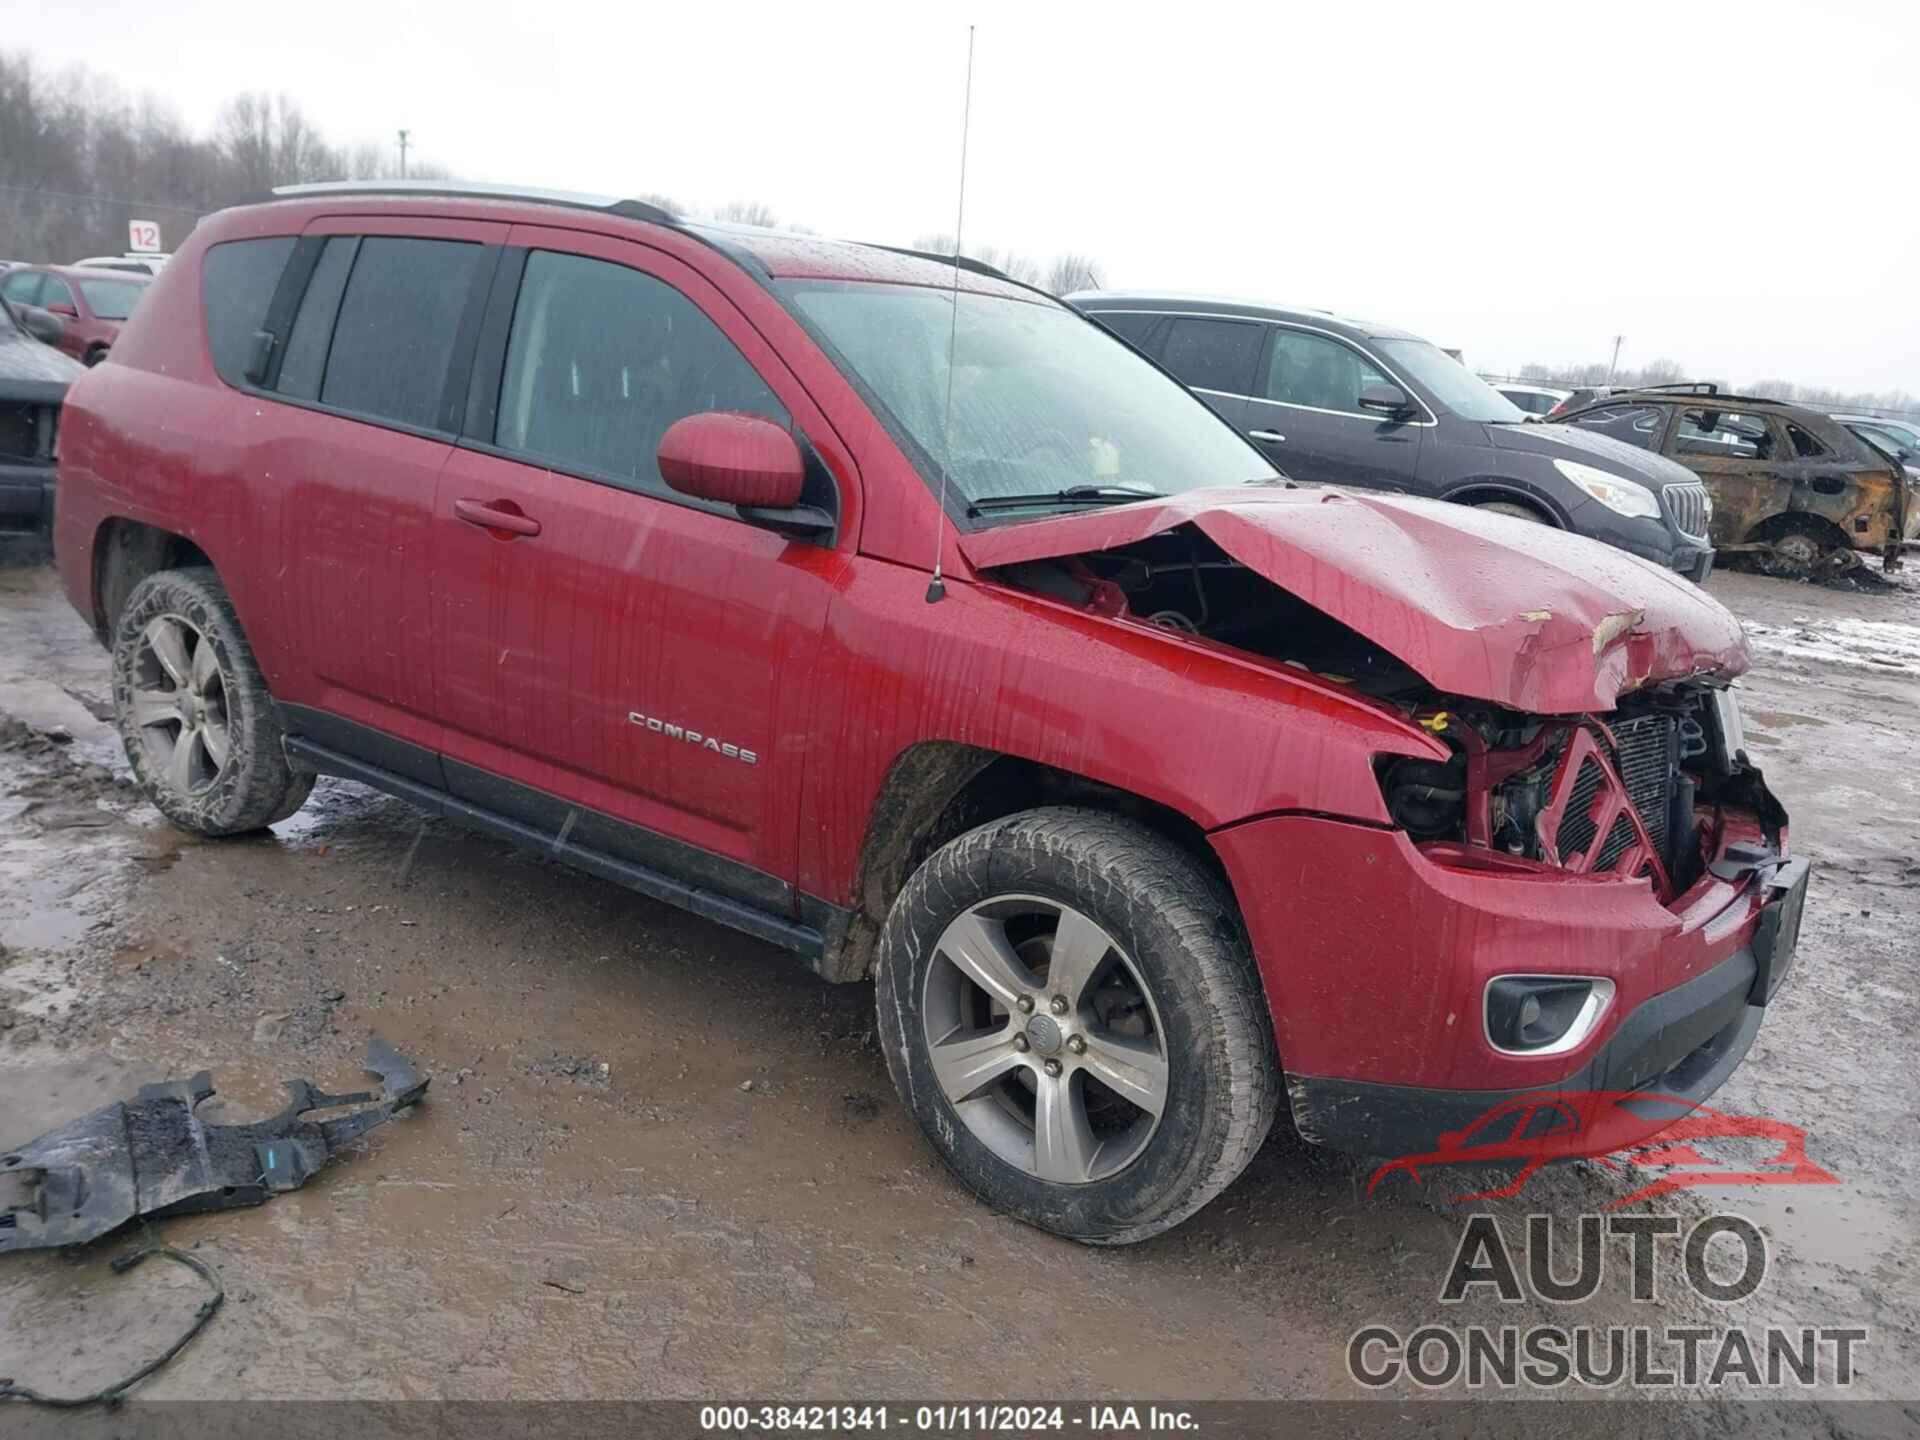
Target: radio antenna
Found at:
938, 588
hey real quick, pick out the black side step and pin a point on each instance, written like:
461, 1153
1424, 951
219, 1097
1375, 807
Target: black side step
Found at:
774, 929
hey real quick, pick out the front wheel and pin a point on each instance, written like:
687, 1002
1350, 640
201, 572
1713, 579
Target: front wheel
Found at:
1070, 1009
194, 711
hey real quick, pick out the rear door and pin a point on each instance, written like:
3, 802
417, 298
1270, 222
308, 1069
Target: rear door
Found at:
373, 374
1306, 415
1746, 461
629, 664
1215, 357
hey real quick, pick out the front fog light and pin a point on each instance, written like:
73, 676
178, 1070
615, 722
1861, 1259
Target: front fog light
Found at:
1543, 1014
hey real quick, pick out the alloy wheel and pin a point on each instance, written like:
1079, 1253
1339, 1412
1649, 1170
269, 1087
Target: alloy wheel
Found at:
179, 702
1045, 1039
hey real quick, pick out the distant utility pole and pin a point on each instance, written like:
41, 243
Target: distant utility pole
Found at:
1612, 365
403, 154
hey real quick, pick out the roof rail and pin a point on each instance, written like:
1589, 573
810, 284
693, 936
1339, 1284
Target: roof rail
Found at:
472, 190
1683, 387
965, 262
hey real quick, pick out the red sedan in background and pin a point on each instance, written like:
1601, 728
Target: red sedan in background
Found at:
94, 303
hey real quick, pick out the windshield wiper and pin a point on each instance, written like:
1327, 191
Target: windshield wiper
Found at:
1072, 495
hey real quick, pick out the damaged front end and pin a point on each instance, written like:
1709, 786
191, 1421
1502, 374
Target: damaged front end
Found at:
1578, 699
1646, 791
152, 1156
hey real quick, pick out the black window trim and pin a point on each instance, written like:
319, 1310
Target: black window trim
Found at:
487, 369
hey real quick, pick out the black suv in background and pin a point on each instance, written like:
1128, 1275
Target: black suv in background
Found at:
1345, 402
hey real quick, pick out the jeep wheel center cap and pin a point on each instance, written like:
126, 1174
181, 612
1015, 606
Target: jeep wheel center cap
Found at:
1043, 1034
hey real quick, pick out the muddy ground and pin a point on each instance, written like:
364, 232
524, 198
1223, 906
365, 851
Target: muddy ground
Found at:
659, 1159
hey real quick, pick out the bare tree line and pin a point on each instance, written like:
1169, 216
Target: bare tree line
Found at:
80, 157
1665, 371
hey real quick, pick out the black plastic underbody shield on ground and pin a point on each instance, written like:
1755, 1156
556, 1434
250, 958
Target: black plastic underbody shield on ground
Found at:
152, 1156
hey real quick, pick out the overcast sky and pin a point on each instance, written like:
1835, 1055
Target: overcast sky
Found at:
1737, 187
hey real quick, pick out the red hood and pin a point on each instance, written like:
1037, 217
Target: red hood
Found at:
1480, 605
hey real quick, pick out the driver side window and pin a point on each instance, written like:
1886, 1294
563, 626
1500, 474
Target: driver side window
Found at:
602, 359
1318, 373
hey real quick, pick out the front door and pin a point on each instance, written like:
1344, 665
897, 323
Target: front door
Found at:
638, 657
1306, 416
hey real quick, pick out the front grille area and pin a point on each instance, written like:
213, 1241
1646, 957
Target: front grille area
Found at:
26, 431
1687, 507
1648, 759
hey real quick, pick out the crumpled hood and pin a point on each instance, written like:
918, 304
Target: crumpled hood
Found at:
1570, 442
1479, 605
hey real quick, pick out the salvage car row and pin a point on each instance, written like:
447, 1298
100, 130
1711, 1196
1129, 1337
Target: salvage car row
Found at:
898, 615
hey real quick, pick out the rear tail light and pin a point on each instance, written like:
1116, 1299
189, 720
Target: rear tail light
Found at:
1543, 1014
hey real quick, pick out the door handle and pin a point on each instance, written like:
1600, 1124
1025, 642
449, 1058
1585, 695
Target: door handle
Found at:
491, 517
1271, 436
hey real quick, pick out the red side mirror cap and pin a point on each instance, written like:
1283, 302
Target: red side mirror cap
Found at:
735, 459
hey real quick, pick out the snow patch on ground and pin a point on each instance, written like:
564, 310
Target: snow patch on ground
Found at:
1889, 645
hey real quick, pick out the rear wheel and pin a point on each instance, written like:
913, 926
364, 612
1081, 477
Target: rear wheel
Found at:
194, 712
1070, 1010
95, 354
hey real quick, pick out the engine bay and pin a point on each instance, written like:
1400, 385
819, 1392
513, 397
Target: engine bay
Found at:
1636, 791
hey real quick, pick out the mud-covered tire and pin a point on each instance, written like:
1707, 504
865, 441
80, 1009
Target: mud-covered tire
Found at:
254, 784
1177, 926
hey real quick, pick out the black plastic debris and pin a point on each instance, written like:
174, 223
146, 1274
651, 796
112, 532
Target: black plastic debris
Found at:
152, 1156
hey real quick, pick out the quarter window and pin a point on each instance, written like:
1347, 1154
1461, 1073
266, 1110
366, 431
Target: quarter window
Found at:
602, 359
394, 337
238, 280
1213, 354
1804, 445
1318, 373
1130, 325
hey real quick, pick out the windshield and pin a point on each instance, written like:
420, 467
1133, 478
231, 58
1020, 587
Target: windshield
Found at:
1451, 383
1043, 401
111, 299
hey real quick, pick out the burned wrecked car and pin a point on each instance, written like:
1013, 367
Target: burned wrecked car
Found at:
894, 613
1795, 489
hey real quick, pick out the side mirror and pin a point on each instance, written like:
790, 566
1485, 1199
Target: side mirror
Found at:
1386, 400
746, 461
41, 324
59, 308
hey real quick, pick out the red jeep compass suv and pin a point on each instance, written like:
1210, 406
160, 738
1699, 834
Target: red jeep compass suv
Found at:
1184, 789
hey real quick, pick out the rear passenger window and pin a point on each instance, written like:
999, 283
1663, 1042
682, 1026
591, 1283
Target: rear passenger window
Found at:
306, 358
394, 336
1635, 424
1213, 354
602, 359
237, 281
1723, 435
